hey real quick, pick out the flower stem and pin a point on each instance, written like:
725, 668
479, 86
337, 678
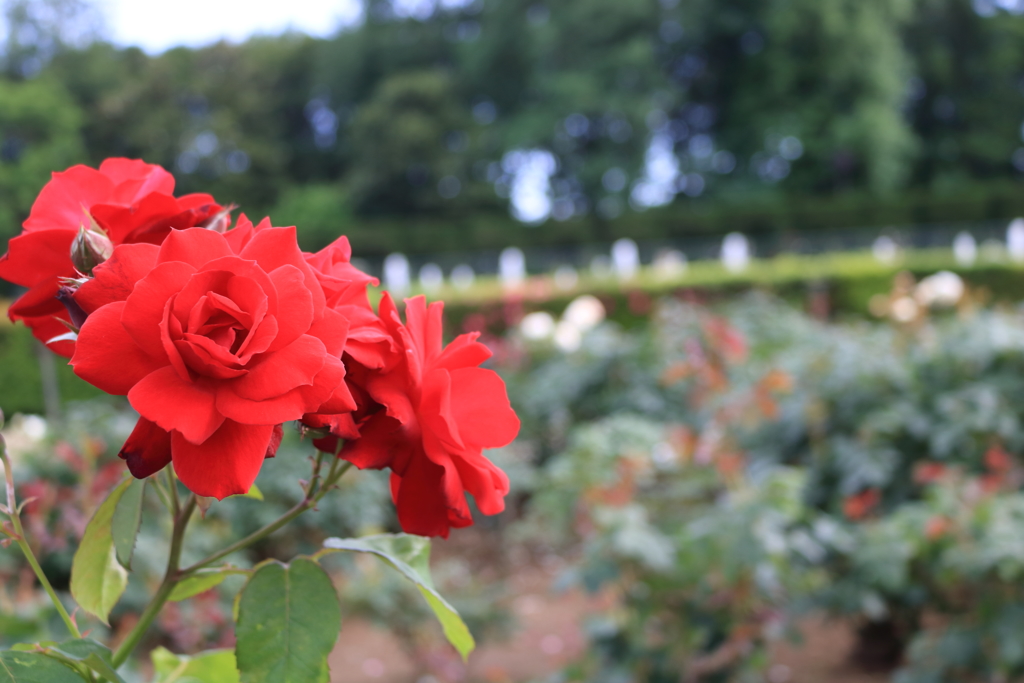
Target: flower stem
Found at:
310, 501
175, 575
22, 541
172, 487
171, 579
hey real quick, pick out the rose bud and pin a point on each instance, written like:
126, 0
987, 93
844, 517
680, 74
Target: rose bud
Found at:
89, 249
66, 295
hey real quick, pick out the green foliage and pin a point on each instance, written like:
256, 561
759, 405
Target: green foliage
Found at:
212, 666
32, 667
320, 212
729, 470
354, 133
40, 132
398, 143
124, 526
410, 556
196, 584
97, 578
288, 622
90, 654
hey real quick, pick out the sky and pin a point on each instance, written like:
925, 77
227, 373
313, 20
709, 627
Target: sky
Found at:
158, 26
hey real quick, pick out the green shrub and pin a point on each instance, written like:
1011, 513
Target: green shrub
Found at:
20, 378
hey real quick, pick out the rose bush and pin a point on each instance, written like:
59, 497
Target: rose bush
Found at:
128, 200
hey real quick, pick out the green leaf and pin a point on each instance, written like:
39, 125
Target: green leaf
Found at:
289, 618
97, 578
127, 518
34, 667
212, 666
254, 492
91, 654
18, 627
410, 555
196, 584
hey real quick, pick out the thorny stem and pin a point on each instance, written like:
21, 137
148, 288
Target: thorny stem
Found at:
310, 501
171, 579
22, 542
317, 465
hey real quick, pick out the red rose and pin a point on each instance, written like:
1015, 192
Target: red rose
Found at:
435, 413
216, 339
129, 199
345, 288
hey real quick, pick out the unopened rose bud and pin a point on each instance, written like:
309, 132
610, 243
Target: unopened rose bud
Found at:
90, 249
66, 295
220, 221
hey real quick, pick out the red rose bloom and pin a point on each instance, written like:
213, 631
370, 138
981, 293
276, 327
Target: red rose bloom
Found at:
435, 413
216, 339
344, 286
129, 199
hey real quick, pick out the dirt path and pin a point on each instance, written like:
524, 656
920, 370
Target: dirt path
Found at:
549, 636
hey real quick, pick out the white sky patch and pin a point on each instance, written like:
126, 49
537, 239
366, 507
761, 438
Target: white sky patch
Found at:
531, 172
159, 26
661, 168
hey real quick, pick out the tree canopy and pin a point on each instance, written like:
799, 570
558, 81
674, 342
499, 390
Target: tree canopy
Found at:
584, 111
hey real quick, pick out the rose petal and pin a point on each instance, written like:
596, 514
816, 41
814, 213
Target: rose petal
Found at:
381, 443
259, 339
342, 425
464, 352
37, 302
115, 278
294, 311
391, 390
480, 407
275, 373
62, 201
423, 508
291, 405
46, 328
436, 409
147, 450
130, 171
485, 481
174, 404
107, 356
276, 247
425, 326
275, 441
195, 246
332, 330
144, 308
225, 464
170, 331
38, 257
207, 358
220, 276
